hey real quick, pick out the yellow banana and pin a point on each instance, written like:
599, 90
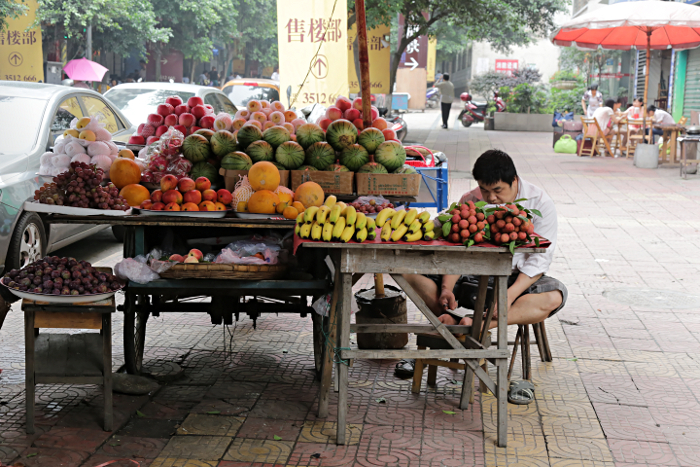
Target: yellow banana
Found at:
424, 217
322, 214
361, 235
428, 226
309, 214
361, 221
383, 216
338, 229
413, 237
386, 232
399, 233
410, 216
305, 231
316, 231
415, 227
300, 218
297, 229
330, 201
371, 233
334, 214
327, 233
350, 215
397, 220
370, 224
347, 234
430, 235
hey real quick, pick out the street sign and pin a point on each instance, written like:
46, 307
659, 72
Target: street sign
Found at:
379, 51
21, 57
416, 53
312, 44
432, 51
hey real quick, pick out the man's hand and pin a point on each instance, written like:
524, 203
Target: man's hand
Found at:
447, 300
447, 320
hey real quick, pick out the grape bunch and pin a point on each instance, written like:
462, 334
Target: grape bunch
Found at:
372, 207
53, 275
80, 187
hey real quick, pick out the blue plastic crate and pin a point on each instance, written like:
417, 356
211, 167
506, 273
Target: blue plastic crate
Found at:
433, 187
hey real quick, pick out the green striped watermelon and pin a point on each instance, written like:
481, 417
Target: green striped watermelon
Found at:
337, 168
372, 168
320, 155
290, 155
310, 168
260, 151
370, 139
354, 156
405, 169
222, 143
276, 135
341, 134
195, 148
206, 132
391, 155
236, 161
308, 134
248, 133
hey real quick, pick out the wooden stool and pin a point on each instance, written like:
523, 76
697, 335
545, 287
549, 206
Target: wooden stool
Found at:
84, 358
522, 338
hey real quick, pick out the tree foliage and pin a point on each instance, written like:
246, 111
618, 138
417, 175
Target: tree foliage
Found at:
11, 9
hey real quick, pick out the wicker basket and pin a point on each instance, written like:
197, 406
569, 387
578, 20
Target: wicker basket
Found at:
225, 271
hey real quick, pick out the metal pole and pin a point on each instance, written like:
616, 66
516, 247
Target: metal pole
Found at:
646, 88
88, 48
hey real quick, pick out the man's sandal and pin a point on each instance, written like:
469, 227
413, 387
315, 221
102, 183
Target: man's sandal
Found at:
521, 392
405, 368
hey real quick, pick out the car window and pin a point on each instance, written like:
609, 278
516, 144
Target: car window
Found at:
67, 111
240, 94
96, 106
213, 101
136, 104
227, 105
20, 138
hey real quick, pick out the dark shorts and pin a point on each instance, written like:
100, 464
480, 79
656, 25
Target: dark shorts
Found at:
466, 289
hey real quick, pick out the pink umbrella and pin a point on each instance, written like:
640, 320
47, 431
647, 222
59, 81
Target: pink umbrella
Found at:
648, 24
83, 69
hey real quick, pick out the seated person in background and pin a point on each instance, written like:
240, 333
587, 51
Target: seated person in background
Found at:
659, 117
604, 116
532, 296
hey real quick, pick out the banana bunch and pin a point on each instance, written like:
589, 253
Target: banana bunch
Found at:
335, 222
406, 225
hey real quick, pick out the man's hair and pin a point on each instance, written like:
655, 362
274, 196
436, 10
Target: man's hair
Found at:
494, 166
609, 103
594, 87
651, 108
446, 77
640, 100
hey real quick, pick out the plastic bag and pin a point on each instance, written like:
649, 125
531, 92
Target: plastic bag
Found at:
244, 251
322, 306
170, 142
135, 269
367, 199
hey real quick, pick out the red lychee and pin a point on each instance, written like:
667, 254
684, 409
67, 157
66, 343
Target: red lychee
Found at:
522, 236
472, 219
509, 228
491, 219
465, 233
456, 219
472, 228
455, 228
455, 238
463, 224
517, 222
501, 223
480, 216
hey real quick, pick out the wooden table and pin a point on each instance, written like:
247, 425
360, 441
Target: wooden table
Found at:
670, 136
353, 259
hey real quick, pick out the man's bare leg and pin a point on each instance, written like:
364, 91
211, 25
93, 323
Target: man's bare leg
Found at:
428, 291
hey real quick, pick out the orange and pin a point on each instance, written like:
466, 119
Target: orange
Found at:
135, 194
281, 207
309, 194
263, 202
124, 172
299, 207
290, 212
264, 176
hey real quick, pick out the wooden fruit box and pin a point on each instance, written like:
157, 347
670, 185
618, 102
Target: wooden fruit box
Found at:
225, 271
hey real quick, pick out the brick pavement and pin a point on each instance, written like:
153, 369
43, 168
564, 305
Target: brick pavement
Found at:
622, 390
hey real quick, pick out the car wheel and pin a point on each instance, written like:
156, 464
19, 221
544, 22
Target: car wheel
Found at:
118, 231
28, 242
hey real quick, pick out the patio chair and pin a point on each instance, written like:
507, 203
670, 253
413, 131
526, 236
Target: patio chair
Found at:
593, 133
633, 139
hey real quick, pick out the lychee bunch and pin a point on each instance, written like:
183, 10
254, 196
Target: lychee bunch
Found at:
465, 224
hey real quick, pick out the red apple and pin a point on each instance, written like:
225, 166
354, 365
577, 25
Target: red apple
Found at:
207, 122
209, 195
177, 258
180, 109
172, 207
191, 259
137, 139
195, 253
207, 205
160, 131
147, 204
333, 113
157, 206
193, 196
352, 114
199, 111
380, 123
172, 196
202, 183
170, 120
195, 101
357, 103
389, 134
152, 139
155, 120
185, 184
358, 124
168, 182
343, 103
187, 119
224, 196
190, 207
193, 128
182, 129
165, 109
157, 195
323, 123
174, 101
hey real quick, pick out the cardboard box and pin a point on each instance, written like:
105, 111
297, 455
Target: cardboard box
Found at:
231, 177
333, 183
388, 184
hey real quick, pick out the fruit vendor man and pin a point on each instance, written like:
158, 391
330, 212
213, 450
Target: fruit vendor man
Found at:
532, 295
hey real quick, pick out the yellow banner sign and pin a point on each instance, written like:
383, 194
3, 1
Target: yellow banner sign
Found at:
305, 27
432, 50
379, 59
21, 58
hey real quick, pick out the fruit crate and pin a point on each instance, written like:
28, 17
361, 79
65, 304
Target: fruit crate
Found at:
249, 272
433, 187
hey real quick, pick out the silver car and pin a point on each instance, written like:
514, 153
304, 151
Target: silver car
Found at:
137, 100
32, 115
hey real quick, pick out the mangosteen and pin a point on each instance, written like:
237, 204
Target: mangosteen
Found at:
102, 277
102, 288
74, 292
14, 273
36, 280
25, 282
56, 291
13, 284
65, 275
48, 284
65, 291
55, 274
58, 282
76, 275
81, 289
23, 273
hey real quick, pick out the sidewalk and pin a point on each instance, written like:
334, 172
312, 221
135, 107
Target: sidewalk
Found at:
622, 390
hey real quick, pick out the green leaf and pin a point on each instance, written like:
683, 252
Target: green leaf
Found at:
452, 206
277, 438
536, 212
446, 227
444, 218
470, 242
572, 359
214, 412
511, 247
139, 414
519, 200
34, 454
480, 204
537, 241
448, 412
381, 400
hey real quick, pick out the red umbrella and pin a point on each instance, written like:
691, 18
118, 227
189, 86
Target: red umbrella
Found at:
83, 69
644, 25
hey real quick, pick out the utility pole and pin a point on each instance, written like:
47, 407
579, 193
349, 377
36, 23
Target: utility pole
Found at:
88, 48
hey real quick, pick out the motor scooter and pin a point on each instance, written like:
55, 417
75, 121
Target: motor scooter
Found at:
476, 111
432, 98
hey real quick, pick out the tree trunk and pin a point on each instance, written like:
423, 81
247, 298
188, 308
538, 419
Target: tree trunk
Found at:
192, 70
158, 54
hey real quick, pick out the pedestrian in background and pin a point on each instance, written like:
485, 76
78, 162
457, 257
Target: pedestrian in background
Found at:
214, 76
447, 92
275, 74
594, 99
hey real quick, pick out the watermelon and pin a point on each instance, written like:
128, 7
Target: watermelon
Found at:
310, 168
204, 169
370, 139
320, 155
207, 133
337, 168
290, 155
276, 135
278, 165
341, 134
260, 151
372, 168
236, 161
391, 155
195, 148
405, 169
308, 134
223, 143
354, 156
248, 133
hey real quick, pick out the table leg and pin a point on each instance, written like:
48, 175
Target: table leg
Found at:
502, 377
683, 174
468, 383
674, 136
328, 357
107, 368
29, 368
343, 343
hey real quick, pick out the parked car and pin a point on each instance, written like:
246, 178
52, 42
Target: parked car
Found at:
32, 116
137, 100
242, 90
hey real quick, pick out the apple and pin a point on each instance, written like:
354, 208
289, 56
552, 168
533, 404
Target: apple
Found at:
177, 258
224, 196
172, 196
191, 130
207, 121
168, 182
182, 129
165, 109
207, 205
196, 253
160, 131
174, 101
185, 184
358, 124
137, 139
202, 183
191, 259
190, 207
380, 123
172, 207
323, 123
209, 195
199, 111
180, 109
147, 204
157, 196
152, 139
170, 120
352, 114
192, 196
127, 154
187, 119
194, 101
158, 206
343, 103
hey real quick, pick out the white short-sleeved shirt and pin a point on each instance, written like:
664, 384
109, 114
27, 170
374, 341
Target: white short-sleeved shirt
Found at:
663, 117
545, 226
593, 101
603, 116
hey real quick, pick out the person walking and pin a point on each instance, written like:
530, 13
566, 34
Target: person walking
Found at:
214, 76
447, 92
594, 99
